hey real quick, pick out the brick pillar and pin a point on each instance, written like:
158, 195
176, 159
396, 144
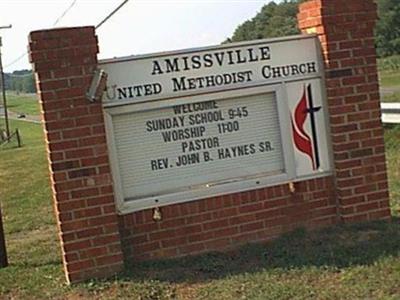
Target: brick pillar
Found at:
345, 29
63, 61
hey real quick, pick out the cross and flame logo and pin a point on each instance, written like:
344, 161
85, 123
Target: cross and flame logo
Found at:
302, 140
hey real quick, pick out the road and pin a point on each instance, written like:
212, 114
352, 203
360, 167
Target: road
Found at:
389, 90
14, 116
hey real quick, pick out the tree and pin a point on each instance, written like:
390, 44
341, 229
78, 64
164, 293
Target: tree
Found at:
276, 20
20, 81
273, 20
388, 28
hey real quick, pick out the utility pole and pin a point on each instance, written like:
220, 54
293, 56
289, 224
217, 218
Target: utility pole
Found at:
3, 251
3, 88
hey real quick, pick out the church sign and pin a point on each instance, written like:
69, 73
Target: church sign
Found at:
204, 122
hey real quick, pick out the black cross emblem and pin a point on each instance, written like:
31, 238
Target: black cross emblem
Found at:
312, 110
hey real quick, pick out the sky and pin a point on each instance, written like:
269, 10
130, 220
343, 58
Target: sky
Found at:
141, 26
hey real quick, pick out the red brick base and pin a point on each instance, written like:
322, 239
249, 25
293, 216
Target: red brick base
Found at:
228, 221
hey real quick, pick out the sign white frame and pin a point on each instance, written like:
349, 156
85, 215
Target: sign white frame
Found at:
238, 185
281, 87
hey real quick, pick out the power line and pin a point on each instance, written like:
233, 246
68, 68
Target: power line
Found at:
59, 19
3, 90
16, 60
54, 24
111, 14
65, 12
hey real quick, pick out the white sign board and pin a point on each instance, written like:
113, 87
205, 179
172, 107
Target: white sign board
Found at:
197, 123
196, 71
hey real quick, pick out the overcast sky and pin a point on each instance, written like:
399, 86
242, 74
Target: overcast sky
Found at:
141, 26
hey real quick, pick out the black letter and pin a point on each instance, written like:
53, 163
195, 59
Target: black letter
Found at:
121, 93
196, 62
179, 85
172, 66
156, 68
266, 72
265, 53
208, 62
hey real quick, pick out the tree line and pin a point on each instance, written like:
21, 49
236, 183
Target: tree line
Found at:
279, 19
20, 81
274, 20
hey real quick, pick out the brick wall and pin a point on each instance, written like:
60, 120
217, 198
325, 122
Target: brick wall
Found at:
63, 62
96, 242
345, 29
227, 221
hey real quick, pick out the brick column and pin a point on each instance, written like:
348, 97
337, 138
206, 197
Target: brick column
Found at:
345, 29
63, 61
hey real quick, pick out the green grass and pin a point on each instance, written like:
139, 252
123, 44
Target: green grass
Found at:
344, 262
28, 217
395, 97
389, 64
389, 75
390, 79
24, 181
23, 103
392, 142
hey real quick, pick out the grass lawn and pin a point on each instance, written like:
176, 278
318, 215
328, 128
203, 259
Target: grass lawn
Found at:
23, 103
394, 97
389, 79
389, 75
392, 141
28, 216
344, 262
